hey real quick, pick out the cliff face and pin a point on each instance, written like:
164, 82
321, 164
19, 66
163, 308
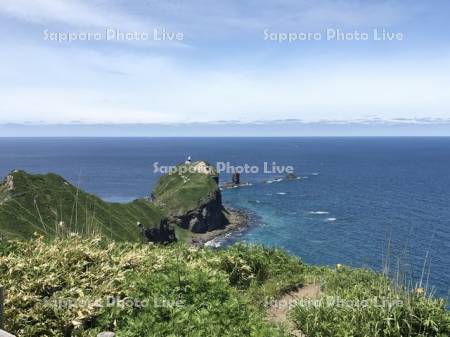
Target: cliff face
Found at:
206, 217
164, 234
191, 199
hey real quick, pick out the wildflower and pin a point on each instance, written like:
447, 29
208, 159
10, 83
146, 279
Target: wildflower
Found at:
420, 291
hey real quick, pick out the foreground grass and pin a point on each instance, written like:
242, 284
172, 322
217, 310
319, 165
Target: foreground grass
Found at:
63, 287
60, 288
361, 303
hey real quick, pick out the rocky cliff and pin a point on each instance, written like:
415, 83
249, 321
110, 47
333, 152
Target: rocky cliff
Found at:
191, 199
207, 216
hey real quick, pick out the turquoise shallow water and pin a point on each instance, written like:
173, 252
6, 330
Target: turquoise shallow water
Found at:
354, 196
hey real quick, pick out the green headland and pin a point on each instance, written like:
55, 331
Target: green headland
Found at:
47, 204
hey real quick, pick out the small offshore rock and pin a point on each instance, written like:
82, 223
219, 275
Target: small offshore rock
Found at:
291, 176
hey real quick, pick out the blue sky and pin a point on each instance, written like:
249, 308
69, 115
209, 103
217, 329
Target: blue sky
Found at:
224, 69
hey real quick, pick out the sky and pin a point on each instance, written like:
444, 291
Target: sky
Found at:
224, 62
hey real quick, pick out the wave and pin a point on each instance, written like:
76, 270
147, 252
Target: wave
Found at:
318, 212
214, 243
330, 219
273, 180
230, 237
255, 201
281, 193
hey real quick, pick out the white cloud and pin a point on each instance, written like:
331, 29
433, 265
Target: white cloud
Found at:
123, 87
209, 18
348, 13
61, 83
236, 16
72, 12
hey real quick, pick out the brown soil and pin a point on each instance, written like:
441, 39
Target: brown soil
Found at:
279, 313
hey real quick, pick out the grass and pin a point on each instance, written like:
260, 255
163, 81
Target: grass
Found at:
362, 303
182, 191
206, 293
58, 288
85, 251
49, 205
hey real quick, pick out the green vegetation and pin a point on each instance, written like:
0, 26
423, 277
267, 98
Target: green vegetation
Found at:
189, 291
49, 205
184, 189
60, 288
362, 303
85, 252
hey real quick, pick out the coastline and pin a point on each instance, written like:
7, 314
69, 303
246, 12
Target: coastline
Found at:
239, 220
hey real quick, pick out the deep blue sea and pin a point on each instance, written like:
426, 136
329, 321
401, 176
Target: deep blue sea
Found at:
355, 196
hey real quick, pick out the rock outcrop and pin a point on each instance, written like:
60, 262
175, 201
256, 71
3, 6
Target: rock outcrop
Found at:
291, 176
5, 188
164, 234
206, 217
190, 197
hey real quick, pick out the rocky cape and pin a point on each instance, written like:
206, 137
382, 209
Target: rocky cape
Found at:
186, 204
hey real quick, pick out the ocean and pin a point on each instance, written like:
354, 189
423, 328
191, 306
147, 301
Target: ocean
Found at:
357, 200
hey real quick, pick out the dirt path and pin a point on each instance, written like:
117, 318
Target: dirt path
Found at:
278, 312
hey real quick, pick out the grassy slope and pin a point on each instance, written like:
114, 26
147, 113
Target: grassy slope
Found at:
370, 306
180, 192
209, 293
39, 203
